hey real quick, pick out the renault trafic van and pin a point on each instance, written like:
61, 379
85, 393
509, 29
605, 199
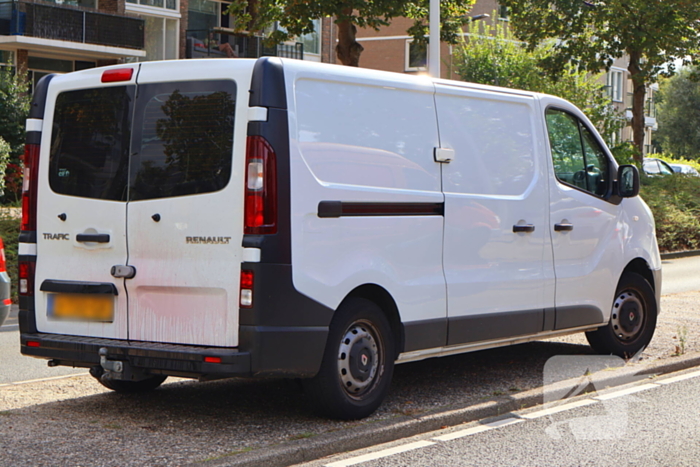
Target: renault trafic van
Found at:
282, 218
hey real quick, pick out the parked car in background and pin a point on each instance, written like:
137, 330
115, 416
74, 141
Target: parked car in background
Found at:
685, 169
5, 301
654, 166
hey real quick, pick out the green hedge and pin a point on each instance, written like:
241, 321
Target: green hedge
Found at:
675, 202
9, 231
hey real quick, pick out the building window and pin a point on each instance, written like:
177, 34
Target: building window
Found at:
160, 39
614, 85
503, 13
416, 56
42, 66
167, 4
312, 40
80, 3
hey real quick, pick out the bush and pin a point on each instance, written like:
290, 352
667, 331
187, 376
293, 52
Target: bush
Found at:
675, 202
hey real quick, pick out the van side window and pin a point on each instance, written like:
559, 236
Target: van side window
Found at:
578, 158
183, 139
90, 137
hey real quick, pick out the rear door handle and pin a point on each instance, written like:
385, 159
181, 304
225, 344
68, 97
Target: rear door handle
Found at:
563, 227
524, 228
95, 238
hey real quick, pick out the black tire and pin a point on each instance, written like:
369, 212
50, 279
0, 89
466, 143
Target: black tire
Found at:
357, 365
145, 385
632, 320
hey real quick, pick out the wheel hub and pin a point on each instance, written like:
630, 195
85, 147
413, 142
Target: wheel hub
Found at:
627, 316
358, 359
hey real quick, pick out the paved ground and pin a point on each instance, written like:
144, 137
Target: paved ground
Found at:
75, 421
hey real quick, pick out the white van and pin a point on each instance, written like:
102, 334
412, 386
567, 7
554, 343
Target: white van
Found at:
272, 217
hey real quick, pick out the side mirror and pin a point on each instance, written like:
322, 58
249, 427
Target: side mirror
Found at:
627, 181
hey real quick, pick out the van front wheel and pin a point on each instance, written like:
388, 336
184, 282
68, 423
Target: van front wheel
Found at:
632, 319
358, 362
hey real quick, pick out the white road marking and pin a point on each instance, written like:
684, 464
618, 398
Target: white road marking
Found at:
559, 408
625, 392
477, 429
694, 374
379, 454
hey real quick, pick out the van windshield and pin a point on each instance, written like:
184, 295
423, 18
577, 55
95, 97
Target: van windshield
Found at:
174, 139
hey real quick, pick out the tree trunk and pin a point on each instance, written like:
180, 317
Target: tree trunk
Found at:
253, 12
348, 49
638, 95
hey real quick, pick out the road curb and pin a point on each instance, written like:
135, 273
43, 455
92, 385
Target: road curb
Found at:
372, 433
680, 254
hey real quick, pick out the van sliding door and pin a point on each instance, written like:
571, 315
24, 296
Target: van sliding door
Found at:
497, 260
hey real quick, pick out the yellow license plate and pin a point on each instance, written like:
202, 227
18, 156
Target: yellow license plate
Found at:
81, 307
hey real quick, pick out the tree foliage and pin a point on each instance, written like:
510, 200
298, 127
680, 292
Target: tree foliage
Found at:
295, 18
491, 55
678, 115
592, 34
14, 108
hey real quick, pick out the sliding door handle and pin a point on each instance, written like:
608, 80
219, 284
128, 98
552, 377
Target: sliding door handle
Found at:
524, 228
563, 227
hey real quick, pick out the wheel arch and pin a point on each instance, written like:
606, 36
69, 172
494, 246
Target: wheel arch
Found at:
382, 298
641, 267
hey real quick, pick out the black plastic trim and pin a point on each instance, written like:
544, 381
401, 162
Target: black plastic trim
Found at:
425, 334
328, 209
27, 236
277, 303
295, 351
96, 238
55, 286
33, 137
267, 88
577, 316
169, 359
490, 326
36, 109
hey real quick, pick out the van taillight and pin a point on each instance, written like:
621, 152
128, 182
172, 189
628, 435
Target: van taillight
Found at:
29, 183
246, 300
260, 187
26, 277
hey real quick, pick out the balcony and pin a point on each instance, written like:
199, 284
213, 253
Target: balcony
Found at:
223, 43
18, 18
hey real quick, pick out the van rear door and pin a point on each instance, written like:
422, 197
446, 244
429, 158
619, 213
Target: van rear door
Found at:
81, 230
185, 210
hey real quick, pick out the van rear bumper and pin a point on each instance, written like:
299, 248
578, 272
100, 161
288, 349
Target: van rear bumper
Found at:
169, 359
264, 351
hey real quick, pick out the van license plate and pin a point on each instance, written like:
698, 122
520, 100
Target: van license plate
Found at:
81, 307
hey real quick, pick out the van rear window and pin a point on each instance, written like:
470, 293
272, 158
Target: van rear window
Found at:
174, 139
90, 143
183, 139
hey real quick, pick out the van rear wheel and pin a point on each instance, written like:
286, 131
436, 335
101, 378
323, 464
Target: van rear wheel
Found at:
632, 320
357, 365
145, 385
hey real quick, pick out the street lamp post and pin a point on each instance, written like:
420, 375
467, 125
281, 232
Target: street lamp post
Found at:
434, 37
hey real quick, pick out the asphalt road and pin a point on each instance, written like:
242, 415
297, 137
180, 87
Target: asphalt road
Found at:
656, 426
680, 275
15, 367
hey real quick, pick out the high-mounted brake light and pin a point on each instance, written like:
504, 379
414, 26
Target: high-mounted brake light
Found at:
120, 74
29, 184
246, 289
260, 187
